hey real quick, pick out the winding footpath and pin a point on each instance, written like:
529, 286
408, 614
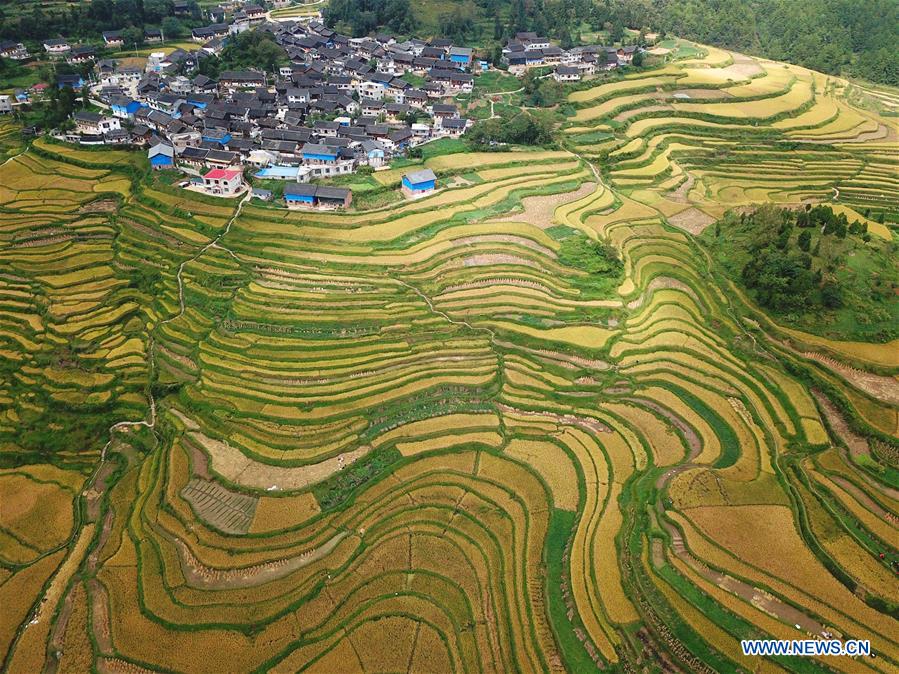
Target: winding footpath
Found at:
82, 530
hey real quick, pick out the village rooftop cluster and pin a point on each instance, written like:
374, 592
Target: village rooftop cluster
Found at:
340, 104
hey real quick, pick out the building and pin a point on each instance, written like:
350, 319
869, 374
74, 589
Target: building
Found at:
5, 104
113, 38
291, 173
264, 195
81, 54
13, 50
329, 198
419, 183
566, 74
241, 79
301, 195
161, 156
223, 182
208, 33
56, 47
124, 107
92, 123
460, 56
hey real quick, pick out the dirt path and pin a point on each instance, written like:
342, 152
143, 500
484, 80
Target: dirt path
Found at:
757, 597
690, 435
692, 220
199, 575
856, 444
879, 386
863, 498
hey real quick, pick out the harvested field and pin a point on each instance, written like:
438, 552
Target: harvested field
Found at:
521, 424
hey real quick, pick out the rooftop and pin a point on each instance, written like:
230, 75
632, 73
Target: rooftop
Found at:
222, 174
422, 176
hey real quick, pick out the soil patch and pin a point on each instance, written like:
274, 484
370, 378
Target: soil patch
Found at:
539, 211
691, 220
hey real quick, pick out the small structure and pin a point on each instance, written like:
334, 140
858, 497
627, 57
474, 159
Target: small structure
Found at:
302, 195
374, 153
161, 156
566, 74
279, 172
74, 81
329, 198
56, 47
223, 182
264, 195
92, 123
419, 183
113, 38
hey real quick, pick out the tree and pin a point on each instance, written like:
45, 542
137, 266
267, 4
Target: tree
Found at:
253, 49
523, 129
155, 10
805, 240
637, 61
172, 28
497, 57
616, 32
831, 295
840, 229
133, 37
548, 93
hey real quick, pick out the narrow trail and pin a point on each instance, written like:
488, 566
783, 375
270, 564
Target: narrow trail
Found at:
15, 156
443, 314
150, 423
212, 244
783, 611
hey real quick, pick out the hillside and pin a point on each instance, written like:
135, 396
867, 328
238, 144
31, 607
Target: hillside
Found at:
814, 268
846, 37
524, 423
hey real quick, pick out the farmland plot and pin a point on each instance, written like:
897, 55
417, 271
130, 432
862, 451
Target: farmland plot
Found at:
432, 436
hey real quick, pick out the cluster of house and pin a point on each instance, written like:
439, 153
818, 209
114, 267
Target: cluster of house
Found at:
529, 50
342, 103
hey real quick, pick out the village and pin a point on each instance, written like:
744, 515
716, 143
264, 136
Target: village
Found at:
341, 103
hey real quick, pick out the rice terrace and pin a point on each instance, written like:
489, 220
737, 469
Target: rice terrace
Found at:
614, 402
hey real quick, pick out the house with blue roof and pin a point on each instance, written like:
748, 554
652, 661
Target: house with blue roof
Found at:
219, 136
161, 156
74, 81
419, 183
124, 107
460, 56
279, 173
299, 195
315, 153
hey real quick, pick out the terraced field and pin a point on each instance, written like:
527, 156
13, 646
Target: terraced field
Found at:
239, 438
